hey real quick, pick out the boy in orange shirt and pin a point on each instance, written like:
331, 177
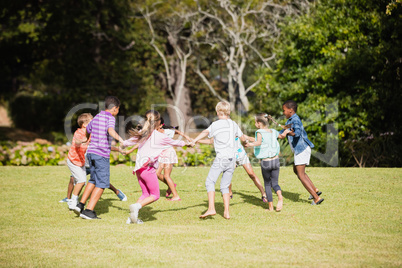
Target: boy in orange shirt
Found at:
76, 162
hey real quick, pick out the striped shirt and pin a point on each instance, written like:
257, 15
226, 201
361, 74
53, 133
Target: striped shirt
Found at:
101, 141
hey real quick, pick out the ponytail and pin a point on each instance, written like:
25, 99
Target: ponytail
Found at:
262, 118
152, 122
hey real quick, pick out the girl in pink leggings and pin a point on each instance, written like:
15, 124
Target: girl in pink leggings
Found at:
151, 143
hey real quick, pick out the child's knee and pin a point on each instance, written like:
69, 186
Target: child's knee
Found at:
156, 196
276, 188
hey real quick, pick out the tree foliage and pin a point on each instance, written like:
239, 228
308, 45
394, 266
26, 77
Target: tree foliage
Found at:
345, 54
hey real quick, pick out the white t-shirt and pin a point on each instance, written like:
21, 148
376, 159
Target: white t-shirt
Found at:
169, 132
224, 132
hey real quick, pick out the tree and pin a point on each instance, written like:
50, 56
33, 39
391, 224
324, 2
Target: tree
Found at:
169, 24
347, 54
238, 31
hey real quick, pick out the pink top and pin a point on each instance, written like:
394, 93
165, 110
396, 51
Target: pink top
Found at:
149, 151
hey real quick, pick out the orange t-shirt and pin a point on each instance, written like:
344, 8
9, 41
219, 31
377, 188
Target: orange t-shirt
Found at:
76, 154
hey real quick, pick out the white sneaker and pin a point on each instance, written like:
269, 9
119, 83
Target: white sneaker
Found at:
134, 212
72, 204
130, 222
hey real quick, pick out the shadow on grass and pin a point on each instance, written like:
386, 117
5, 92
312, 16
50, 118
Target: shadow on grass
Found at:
257, 201
103, 205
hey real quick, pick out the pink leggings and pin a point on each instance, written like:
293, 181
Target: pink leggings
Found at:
148, 182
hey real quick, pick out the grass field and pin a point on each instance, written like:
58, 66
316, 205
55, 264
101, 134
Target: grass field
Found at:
358, 224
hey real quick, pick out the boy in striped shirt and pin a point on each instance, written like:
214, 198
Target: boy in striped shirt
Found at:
102, 132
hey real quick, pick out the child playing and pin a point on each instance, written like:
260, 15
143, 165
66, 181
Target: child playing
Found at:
243, 160
76, 162
301, 147
224, 131
266, 148
167, 159
151, 144
101, 129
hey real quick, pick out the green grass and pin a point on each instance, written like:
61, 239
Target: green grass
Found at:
358, 224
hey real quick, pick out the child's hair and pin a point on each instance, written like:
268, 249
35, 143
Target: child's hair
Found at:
291, 104
111, 101
167, 127
152, 122
262, 118
223, 108
84, 118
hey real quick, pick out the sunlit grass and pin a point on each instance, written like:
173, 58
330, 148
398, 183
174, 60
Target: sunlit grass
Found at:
358, 224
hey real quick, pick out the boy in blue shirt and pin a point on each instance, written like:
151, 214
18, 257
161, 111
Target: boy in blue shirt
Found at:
301, 147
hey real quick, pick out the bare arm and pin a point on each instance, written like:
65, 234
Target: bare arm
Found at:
131, 150
118, 149
79, 142
200, 136
183, 135
255, 143
284, 133
114, 134
206, 141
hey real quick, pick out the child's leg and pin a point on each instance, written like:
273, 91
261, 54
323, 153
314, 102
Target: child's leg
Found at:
212, 177
266, 170
170, 183
159, 173
70, 187
300, 170
211, 205
111, 187
78, 187
150, 187
275, 184
95, 196
225, 182
87, 192
249, 169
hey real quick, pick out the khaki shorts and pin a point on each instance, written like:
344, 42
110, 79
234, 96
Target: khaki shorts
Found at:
79, 173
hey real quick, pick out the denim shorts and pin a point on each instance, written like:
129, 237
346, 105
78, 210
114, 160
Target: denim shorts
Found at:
100, 170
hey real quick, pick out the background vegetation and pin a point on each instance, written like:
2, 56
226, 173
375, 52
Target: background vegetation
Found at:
340, 60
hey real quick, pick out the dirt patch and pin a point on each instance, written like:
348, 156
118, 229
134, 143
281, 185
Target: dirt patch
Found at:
4, 119
14, 134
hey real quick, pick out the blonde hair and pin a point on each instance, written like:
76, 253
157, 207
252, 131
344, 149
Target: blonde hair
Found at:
262, 118
84, 118
223, 108
152, 122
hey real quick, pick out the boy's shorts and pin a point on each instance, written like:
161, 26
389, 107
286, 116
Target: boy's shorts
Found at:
79, 173
100, 170
303, 158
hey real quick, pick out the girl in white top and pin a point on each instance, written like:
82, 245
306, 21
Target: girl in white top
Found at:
167, 159
266, 148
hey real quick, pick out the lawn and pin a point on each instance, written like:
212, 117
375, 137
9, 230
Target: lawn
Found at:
358, 224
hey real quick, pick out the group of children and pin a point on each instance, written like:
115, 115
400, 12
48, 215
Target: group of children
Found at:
92, 144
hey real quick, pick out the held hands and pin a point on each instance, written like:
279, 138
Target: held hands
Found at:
190, 143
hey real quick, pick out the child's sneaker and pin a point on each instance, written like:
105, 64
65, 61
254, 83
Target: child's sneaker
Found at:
121, 195
72, 204
134, 212
138, 221
311, 197
89, 215
78, 209
65, 200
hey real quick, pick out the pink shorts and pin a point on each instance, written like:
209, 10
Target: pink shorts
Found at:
168, 156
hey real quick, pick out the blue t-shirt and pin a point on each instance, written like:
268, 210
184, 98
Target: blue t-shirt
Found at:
269, 145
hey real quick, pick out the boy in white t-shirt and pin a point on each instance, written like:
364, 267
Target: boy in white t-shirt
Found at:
224, 131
